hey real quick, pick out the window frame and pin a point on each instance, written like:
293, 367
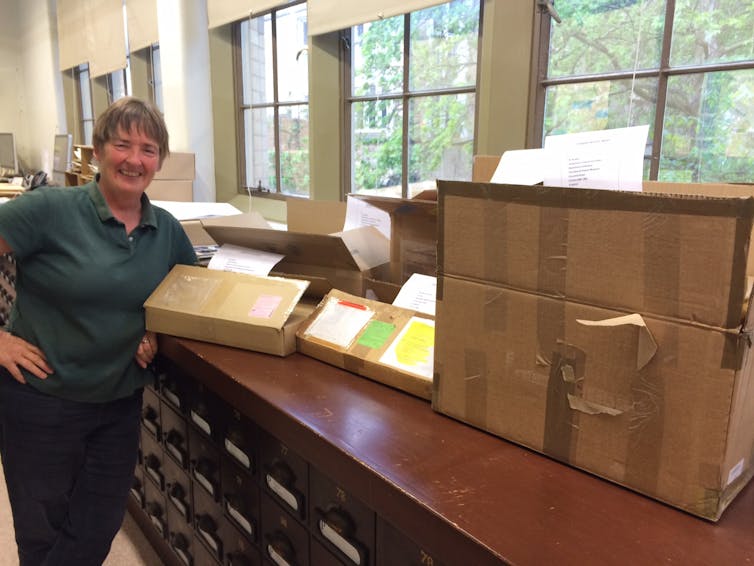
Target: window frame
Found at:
82, 120
662, 73
276, 105
406, 96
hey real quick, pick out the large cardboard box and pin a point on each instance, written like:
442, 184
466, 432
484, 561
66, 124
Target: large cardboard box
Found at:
235, 309
484, 167
340, 260
606, 329
385, 343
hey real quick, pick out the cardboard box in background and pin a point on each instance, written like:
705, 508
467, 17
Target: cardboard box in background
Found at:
235, 309
175, 190
363, 355
413, 235
177, 166
328, 261
175, 179
523, 271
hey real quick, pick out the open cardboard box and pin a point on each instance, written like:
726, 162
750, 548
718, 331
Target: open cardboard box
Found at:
413, 242
235, 309
606, 329
341, 260
363, 336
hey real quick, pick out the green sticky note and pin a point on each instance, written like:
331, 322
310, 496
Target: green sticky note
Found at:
376, 334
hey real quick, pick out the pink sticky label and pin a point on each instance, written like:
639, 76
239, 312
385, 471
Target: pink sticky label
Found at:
265, 306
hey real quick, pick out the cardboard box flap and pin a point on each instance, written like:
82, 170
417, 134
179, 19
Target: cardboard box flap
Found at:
263, 301
670, 255
413, 235
315, 216
351, 250
247, 220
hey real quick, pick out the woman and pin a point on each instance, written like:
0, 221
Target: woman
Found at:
76, 356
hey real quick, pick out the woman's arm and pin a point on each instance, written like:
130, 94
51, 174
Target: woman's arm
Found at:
4, 247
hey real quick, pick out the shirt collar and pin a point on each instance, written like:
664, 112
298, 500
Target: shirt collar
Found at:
148, 217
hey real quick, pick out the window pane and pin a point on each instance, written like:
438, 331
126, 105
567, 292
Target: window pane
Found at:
376, 147
294, 149
256, 46
377, 57
444, 46
260, 148
441, 135
157, 78
293, 64
707, 135
601, 36
118, 85
712, 32
599, 105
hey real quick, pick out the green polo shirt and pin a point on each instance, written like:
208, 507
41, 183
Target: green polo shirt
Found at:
81, 285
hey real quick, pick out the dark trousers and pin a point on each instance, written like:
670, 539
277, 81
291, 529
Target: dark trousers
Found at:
69, 467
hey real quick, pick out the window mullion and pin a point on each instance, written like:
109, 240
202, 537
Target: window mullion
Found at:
662, 90
405, 102
276, 112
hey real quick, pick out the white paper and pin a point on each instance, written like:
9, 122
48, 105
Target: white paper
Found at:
521, 167
196, 210
413, 350
419, 294
243, 260
339, 322
360, 213
605, 159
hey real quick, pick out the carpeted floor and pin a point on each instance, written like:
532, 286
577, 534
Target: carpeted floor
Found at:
130, 547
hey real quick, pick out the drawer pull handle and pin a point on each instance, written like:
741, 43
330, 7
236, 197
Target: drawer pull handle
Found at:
242, 521
201, 423
341, 543
238, 454
275, 557
282, 492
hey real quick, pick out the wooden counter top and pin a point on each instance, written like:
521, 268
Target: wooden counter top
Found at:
469, 497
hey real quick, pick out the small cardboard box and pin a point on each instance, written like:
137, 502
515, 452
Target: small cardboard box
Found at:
340, 260
172, 190
608, 330
177, 167
413, 235
235, 309
385, 343
175, 179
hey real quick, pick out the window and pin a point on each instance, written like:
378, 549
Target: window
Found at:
86, 114
119, 83
685, 67
412, 86
274, 110
155, 74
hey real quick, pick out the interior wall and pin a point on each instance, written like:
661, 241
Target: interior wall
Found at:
31, 98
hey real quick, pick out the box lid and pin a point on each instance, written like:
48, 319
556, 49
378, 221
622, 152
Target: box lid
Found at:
357, 250
238, 297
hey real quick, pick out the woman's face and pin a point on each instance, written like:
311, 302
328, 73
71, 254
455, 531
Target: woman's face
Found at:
127, 162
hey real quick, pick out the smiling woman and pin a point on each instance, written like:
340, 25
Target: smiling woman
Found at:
75, 358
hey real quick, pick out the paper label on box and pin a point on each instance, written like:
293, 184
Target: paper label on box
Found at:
265, 306
339, 322
413, 349
376, 334
736, 471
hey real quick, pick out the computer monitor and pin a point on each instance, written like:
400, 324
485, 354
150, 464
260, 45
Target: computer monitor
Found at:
61, 158
8, 161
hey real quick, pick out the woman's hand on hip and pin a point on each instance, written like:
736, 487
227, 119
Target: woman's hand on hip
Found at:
17, 353
147, 349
